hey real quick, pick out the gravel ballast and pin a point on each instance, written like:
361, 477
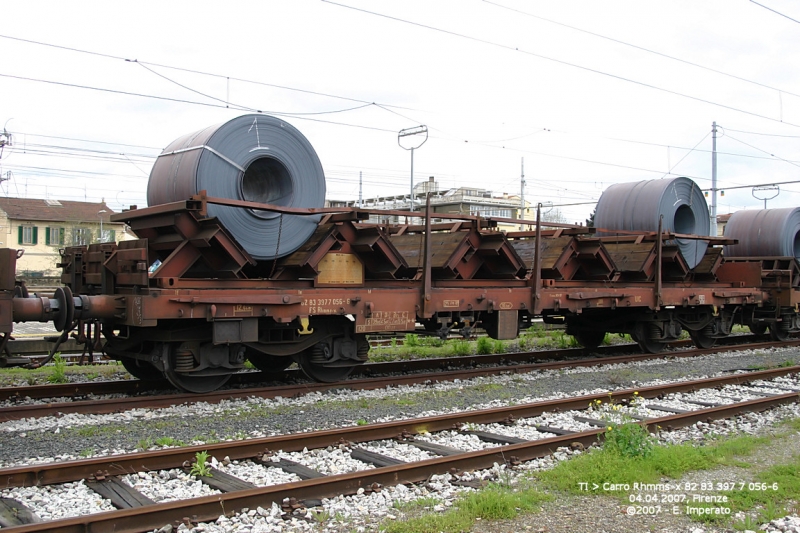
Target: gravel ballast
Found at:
71, 436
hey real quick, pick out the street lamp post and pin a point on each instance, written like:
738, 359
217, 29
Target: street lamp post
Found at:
100, 214
408, 132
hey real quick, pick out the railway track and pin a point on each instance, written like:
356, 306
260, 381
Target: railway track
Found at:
79, 397
497, 430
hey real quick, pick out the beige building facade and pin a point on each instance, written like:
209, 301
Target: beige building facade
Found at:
41, 227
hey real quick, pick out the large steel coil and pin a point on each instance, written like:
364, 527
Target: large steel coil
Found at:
256, 158
638, 207
764, 233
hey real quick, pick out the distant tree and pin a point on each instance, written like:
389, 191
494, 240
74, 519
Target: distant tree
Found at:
553, 215
590, 220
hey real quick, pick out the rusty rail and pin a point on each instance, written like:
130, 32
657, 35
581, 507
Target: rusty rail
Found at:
170, 399
210, 507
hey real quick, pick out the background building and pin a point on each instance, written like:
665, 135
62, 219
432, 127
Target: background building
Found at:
462, 200
41, 227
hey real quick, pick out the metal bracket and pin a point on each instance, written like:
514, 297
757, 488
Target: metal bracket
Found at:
304, 329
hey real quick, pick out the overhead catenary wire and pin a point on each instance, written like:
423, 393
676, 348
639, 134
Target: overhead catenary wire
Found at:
448, 32
192, 71
764, 134
642, 48
555, 60
201, 103
474, 142
763, 151
776, 12
172, 99
686, 155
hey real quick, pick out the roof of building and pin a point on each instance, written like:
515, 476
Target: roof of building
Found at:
54, 210
724, 218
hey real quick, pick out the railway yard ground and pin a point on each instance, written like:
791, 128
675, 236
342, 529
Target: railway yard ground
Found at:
751, 451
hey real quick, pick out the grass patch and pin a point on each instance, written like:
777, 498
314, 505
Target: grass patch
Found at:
59, 372
620, 462
603, 468
169, 441
51, 372
461, 348
777, 484
609, 465
426, 502
87, 452
493, 503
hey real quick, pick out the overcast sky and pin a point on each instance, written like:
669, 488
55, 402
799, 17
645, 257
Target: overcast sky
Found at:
582, 90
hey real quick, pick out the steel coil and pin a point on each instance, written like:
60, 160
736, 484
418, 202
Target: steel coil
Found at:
256, 158
638, 207
764, 233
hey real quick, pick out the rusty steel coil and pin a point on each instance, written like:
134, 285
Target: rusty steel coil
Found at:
638, 206
256, 158
764, 233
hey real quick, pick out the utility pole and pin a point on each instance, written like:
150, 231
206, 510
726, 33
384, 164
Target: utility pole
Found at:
714, 179
417, 130
360, 202
522, 194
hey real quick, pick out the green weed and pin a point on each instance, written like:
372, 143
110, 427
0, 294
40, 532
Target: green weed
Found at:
411, 340
461, 348
492, 503
168, 441
200, 467
58, 375
485, 346
629, 440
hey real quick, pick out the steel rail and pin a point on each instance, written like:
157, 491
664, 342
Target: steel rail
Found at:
208, 508
246, 378
50, 473
167, 400
133, 386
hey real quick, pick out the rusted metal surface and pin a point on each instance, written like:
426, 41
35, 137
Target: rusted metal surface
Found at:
351, 279
764, 232
254, 158
642, 205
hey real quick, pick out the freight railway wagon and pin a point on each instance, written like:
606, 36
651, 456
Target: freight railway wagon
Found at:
249, 267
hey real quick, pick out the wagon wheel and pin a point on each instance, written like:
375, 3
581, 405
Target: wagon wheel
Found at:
651, 346
778, 334
267, 363
646, 343
321, 372
589, 339
702, 339
758, 329
196, 382
141, 369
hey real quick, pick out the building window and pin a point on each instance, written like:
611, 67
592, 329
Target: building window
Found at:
54, 236
28, 235
489, 211
81, 236
107, 235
